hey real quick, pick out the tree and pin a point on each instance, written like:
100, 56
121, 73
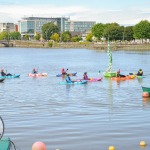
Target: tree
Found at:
48, 29
26, 37
66, 36
4, 35
15, 35
128, 33
98, 30
114, 31
55, 37
37, 36
142, 30
89, 37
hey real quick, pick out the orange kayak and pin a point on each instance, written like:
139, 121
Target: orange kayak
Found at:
123, 78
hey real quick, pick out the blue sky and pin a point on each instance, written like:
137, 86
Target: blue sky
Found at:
123, 12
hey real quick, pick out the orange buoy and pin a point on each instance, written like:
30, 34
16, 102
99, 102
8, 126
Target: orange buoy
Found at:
111, 148
142, 143
38, 146
145, 94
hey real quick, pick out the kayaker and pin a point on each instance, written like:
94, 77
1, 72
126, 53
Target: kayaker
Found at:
85, 76
5, 74
63, 72
68, 79
120, 75
140, 72
34, 71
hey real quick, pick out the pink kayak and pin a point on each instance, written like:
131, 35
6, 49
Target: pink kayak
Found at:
37, 75
91, 79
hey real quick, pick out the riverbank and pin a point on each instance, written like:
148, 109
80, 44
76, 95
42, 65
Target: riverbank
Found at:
85, 45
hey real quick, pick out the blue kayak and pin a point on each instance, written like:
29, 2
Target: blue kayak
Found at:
70, 74
13, 76
76, 82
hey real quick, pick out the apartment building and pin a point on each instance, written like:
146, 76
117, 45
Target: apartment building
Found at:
7, 27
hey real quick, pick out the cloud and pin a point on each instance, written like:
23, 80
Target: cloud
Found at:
13, 13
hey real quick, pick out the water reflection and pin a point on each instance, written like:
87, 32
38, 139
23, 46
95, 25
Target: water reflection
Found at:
89, 116
146, 102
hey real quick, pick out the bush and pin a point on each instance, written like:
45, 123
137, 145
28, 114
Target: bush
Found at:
50, 44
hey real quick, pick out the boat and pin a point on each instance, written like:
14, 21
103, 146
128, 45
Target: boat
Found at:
136, 75
109, 73
90, 79
128, 77
75, 82
5, 144
140, 77
70, 74
11, 76
1, 80
37, 75
146, 89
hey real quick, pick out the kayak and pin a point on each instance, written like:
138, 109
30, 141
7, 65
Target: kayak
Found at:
1, 80
146, 89
91, 79
13, 76
123, 78
76, 82
140, 76
70, 74
37, 75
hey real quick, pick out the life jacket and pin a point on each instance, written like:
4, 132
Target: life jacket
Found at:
85, 77
68, 80
141, 72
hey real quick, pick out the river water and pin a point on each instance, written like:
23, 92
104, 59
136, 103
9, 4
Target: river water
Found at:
74, 117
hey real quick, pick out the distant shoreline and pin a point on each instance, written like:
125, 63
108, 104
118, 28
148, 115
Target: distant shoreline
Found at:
84, 45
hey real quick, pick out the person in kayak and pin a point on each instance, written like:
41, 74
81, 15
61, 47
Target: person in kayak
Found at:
5, 74
34, 71
68, 79
140, 72
85, 76
63, 72
120, 75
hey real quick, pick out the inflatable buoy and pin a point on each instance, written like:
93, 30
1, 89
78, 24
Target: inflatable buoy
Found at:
142, 143
111, 148
145, 94
38, 146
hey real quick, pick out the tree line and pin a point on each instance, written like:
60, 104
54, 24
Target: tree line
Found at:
99, 31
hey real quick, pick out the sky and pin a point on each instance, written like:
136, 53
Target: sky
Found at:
123, 12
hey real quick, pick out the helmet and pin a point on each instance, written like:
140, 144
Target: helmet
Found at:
2, 70
33, 68
118, 71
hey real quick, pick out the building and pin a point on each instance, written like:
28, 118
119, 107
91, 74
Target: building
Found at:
7, 27
79, 26
32, 25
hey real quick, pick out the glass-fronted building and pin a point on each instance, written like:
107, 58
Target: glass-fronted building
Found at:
78, 26
32, 25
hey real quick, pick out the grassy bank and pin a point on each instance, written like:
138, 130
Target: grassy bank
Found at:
85, 45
